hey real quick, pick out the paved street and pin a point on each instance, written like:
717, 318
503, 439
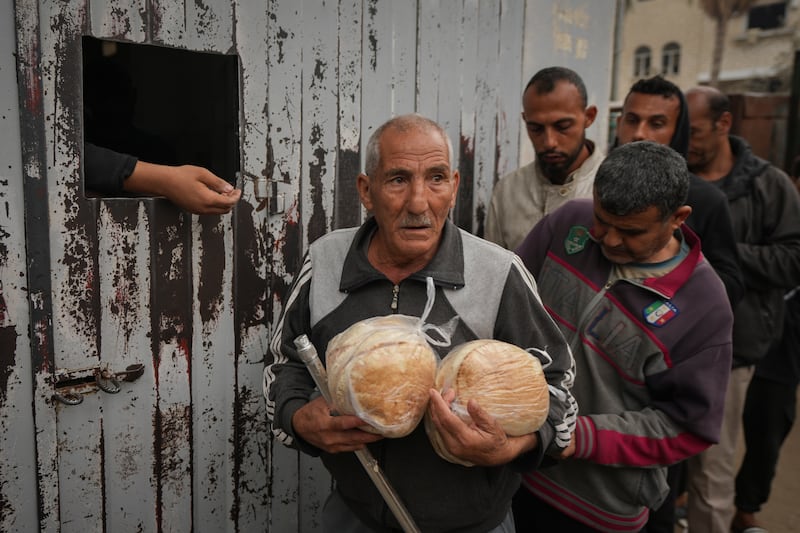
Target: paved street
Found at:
782, 513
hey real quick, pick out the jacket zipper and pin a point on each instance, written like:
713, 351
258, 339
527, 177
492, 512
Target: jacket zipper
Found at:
385, 511
589, 308
576, 341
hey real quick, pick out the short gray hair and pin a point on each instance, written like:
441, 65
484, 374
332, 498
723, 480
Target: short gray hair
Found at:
409, 122
640, 175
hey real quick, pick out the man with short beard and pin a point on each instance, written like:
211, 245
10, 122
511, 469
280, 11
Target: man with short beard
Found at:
766, 221
556, 116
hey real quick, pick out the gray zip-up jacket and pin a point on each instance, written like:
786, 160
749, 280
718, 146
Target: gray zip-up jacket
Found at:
493, 296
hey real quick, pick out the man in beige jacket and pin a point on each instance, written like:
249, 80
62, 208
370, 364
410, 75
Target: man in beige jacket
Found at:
556, 116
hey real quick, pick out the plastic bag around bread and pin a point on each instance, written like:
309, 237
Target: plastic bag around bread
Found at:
505, 380
381, 369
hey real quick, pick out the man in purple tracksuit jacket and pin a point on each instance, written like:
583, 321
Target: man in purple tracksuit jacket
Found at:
649, 325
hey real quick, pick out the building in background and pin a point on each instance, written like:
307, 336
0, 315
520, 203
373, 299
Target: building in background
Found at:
675, 38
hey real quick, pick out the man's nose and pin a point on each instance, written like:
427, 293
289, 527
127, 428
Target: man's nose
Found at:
641, 133
549, 139
418, 197
610, 237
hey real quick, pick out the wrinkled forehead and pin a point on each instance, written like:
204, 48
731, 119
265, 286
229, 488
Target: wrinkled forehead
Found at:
414, 146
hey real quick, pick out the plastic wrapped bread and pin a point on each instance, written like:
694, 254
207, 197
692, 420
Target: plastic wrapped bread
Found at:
505, 380
381, 369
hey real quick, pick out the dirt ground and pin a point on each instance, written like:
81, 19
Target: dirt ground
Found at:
781, 514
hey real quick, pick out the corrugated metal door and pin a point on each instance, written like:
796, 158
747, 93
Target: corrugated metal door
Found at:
110, 283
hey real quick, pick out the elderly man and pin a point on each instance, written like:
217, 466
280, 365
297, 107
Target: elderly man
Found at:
384, 267
649, 325
556, 114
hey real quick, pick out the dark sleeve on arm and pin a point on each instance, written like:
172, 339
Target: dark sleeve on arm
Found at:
774, 261
711, 221
105, 170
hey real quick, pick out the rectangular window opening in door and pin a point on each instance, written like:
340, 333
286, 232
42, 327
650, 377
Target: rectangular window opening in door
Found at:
160, 105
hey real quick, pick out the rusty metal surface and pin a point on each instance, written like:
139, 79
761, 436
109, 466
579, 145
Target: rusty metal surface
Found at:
121, 19
464, 144
37, 246
172, 356
18, 497
318, 120
214, 370
125, 278
285, 233
119, 282
347, 208
250, 465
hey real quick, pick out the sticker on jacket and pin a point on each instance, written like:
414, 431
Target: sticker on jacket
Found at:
576, 239
659, 313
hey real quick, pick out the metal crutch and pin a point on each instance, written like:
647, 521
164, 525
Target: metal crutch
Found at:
308, 354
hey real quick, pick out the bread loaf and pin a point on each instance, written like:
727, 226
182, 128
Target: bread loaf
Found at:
381, 370
505, 380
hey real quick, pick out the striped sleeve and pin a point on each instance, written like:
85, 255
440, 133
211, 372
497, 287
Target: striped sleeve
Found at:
537, 332
287, 385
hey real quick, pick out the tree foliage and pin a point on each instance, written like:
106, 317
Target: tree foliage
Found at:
722, 11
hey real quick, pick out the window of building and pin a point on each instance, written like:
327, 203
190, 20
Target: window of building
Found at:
163, 105
641, 61
670, 59
767, 16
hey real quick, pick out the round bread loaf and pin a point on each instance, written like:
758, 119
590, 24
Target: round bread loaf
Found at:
505, 380
381, 370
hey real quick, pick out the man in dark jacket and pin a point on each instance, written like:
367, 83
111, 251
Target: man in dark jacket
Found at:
766, 218
655, 110
769, 414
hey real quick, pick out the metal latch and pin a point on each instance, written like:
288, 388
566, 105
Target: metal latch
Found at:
71, 385
265, 191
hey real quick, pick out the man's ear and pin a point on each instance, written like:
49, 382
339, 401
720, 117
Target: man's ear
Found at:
363, 185
456, 181
725, 123
680, 215
591, 114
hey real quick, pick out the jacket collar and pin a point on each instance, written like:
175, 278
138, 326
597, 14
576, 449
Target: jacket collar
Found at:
446, 268
746, 167
669, 284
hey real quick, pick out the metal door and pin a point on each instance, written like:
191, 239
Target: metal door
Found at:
102, 283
